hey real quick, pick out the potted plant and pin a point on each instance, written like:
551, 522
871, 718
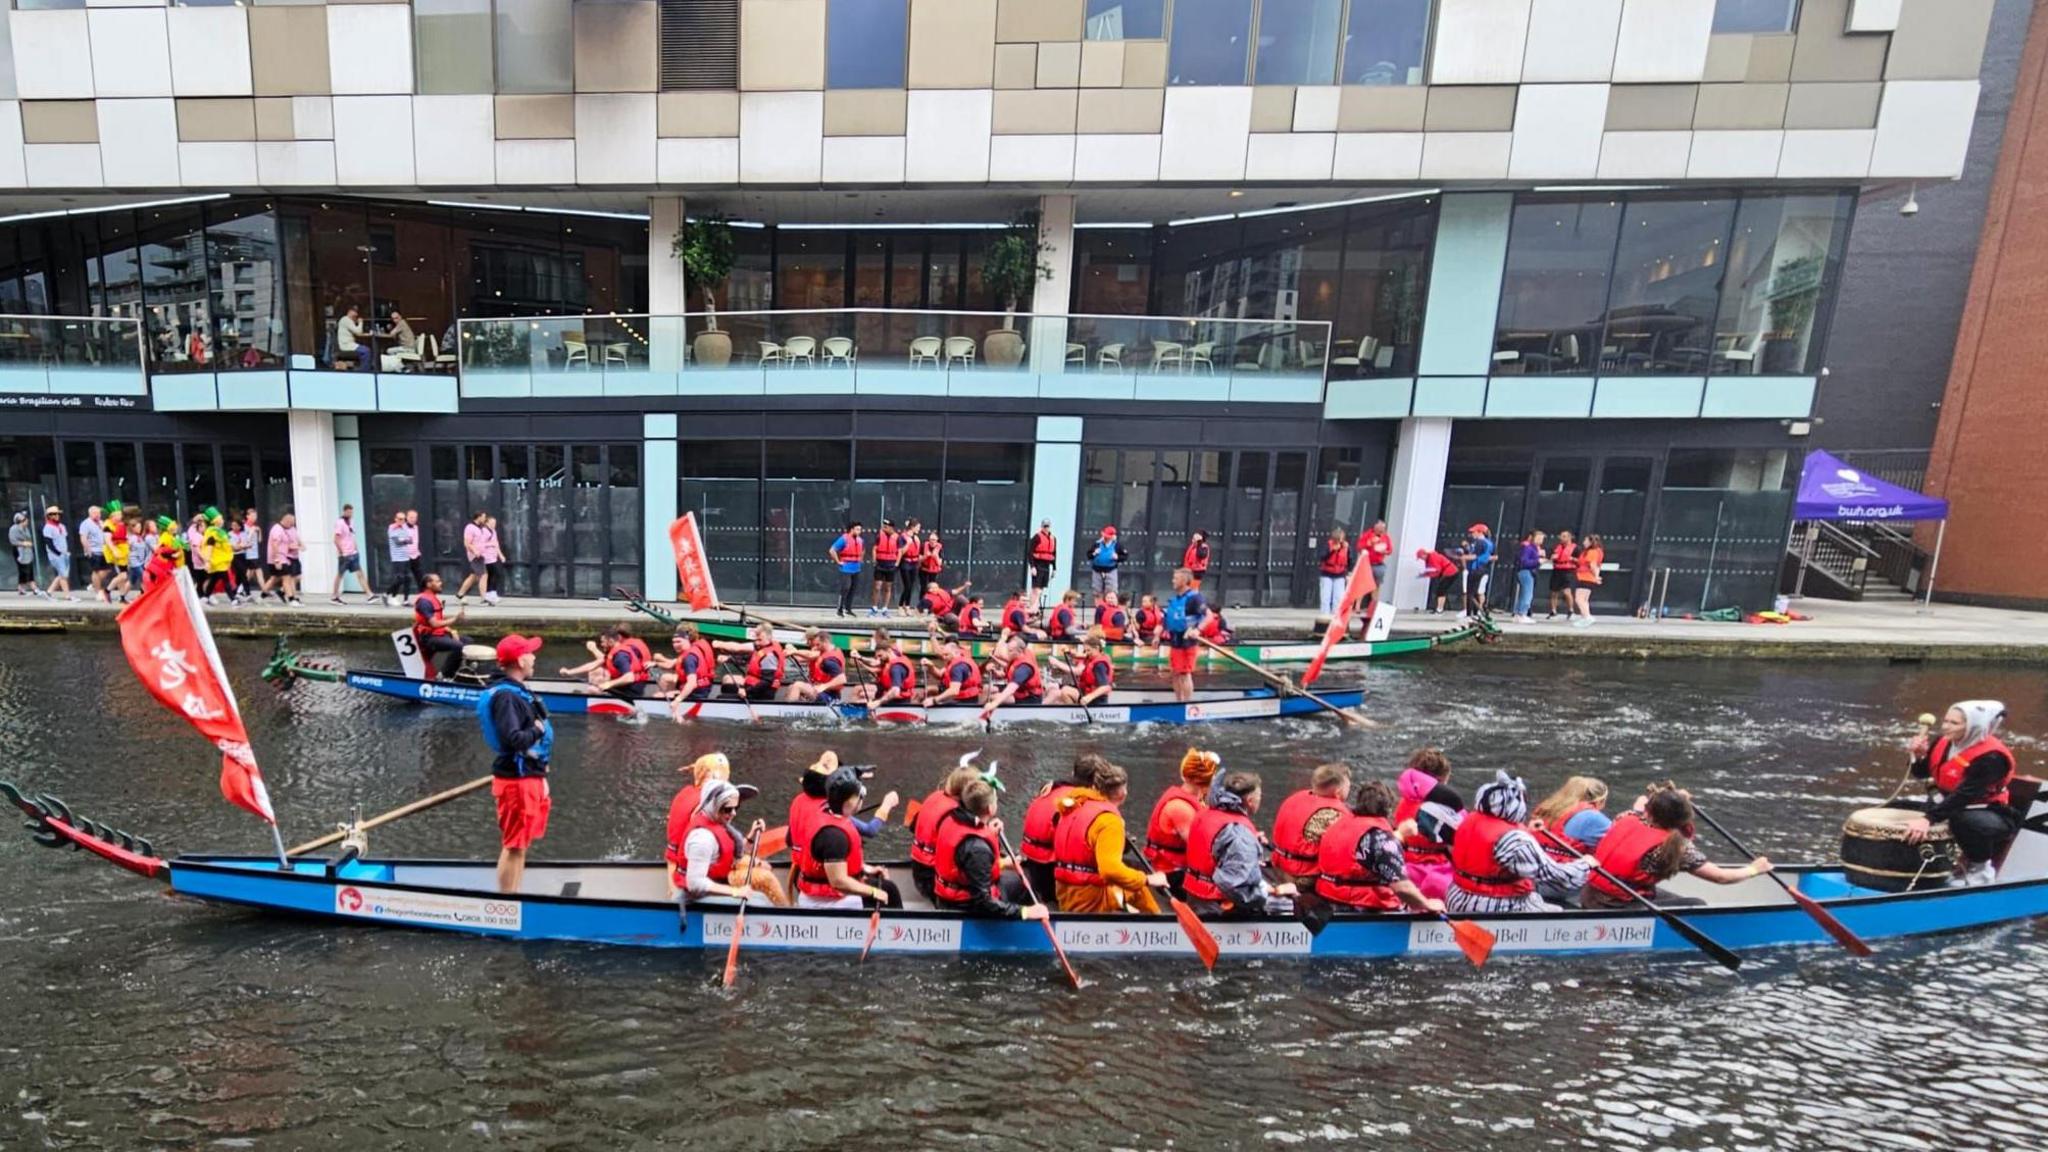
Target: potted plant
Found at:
705, 247
1012, 268
1794, 294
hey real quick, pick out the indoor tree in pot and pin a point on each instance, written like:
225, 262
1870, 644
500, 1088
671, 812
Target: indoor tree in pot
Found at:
1011, 269
705, 247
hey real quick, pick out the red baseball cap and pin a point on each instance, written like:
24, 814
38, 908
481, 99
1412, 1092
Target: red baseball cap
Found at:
511, 648
1479, 528
1109, 530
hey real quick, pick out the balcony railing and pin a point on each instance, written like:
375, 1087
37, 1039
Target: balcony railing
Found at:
890, 351
65, 358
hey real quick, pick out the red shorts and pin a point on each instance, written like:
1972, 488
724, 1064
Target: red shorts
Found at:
1182, 660
522, 809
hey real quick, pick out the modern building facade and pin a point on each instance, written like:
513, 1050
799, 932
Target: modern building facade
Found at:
1538, 263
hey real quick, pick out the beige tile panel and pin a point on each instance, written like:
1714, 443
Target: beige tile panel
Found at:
1939, 40
1770, 58
865, 112
1145, 64
616, 46
536, 117
1372, 108
952, 43
1019, 21
1651, 107
59, 122
1833, 105
288, 51
697, 115
1017, 65
1825, 52
1273, 108
1102, 64
782, 45
1476, 108
1728, 58
1122, 111
274, 118
1741, 106
228, 119
1059, 65
1048, 112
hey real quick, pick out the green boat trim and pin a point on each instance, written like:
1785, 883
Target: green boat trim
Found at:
286, 667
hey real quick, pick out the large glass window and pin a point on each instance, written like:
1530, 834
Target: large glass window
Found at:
1755, 15
452, 46
1298, 41
807, 497
1667, 283
245, 266
721, 483
536, 46
1126, 19
810, 270
1720, 528
1555, 289
1112, 271
1385, 277
174, 287
1386, 41
1784, 261
1211, 42
865, 43
985, 513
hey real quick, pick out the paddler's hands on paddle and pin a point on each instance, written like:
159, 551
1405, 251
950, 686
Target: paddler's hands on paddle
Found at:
888, 805
1156, 879
1433, 904
1917, 829
1760, 865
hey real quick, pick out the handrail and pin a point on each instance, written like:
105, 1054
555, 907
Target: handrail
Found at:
1837, 536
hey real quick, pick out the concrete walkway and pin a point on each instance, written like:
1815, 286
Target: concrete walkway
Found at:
1887, 630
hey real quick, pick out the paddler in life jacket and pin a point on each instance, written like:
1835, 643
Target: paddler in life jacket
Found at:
715, 860
1173, 815
767, 665
1570, 823
824, 670
1301, 819
971, 623
1063, 623
1359, 863
957, 677
1016, 617
1023, 683
1968, 770
833, 872
1113, 618
1150, 624
1426, 818
1091, 675
924, 831
701, 771
968, 875
693, 673
895, 676
1036, 842
1652, 843
1224, 878
1497, 863
1089, 871
945, 604
629, 668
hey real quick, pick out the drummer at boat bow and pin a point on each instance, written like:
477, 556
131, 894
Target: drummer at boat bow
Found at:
1650, 845
1088, 850
968, 876
1496, 862
521, 738
1223, 877
1968, 770
834, 873
434, 629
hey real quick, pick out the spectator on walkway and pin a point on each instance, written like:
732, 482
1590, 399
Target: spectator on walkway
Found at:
473, 556
494, 560
348, 556
1590, 559
846, 553
92, 544
1334, 572
247, 540
1528, 561
1564, 574
398, 536
57, 551
23, 540
1377, 546
284, 557
412, 552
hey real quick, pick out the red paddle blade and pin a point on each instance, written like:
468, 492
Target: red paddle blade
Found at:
1198, 934
608, 708
1827, 921
774, 841
732, 953
910, 812
1473, 940
874, 926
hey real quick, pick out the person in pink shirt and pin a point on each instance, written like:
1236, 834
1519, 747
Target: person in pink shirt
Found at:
348, 556
283, 556
494, 560
473, 536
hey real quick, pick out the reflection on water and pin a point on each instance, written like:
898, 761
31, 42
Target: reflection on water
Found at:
133, 1020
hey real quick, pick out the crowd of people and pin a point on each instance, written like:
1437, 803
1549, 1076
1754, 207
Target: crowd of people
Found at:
1466, 573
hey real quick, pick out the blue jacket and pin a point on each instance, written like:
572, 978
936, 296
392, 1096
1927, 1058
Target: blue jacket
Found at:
506, 712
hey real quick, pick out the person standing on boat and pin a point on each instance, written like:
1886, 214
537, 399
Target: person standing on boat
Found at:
1359, 863
846, 553
1044, 554
521, 738
1968, 769
715, 861
834, 873
1103, 560
439, 645
1224, 877
1302, 819
1182, 623
924, 831
967, 875
824, 671
960, 675
1496, 863
1173, 815
1089, 841
1650, 845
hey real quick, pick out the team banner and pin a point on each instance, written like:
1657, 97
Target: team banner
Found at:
692, 565
1360, 587
165, 637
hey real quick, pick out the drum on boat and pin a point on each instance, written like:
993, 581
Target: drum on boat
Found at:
1875, 853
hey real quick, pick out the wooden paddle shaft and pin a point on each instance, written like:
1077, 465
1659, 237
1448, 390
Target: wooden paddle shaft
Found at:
433, 801
1286, 685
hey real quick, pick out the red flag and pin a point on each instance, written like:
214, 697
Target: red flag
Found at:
691, 564
1361, 586
168, 644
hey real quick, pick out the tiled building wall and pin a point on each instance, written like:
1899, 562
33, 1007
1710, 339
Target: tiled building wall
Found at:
1004, 91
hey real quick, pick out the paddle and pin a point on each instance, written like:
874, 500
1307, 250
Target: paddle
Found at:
753, 717
1473, 939
874, 927
739, 920
1004, 839
1807, 904
343, 833
1286, 685
1199, 937
1694, 936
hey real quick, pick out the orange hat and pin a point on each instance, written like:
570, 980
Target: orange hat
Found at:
1199, 767
710, 766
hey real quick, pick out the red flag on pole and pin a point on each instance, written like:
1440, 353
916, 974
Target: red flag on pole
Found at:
1361, 586
692, 565
171, 649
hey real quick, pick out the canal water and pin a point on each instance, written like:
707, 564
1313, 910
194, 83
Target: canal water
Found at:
132, 1020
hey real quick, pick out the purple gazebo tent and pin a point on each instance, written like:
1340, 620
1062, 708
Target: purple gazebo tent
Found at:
1831, 490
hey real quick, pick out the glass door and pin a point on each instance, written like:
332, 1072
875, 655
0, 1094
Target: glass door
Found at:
1619, 514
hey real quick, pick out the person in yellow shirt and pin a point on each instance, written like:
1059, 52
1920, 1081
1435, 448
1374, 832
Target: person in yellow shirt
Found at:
115, 550
220, 558
1088, 868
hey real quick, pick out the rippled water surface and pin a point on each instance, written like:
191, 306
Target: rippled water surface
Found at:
132, 1020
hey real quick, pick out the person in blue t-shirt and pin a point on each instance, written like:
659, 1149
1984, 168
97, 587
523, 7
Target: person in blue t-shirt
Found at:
1183, 646
847, 552
1478, 561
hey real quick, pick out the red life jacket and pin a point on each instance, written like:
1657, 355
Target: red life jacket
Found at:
1094, 673
1199, 881
1165, 849
1948, 770
1418, 847
949, 884
1196, 558
1293, 852
1572, 848
1378, 546
888, 546
924, 834
1041, 820
729, 846
638, 658
970, 688
1044, 547
680, 811
754, 675
1474, 866
1073, 858
425, 607
1625, 851
897, 660
854, 550
1340, 878
1214, 627
810, 875
1061, 625
1336, 560
1033, 688
1015, 618
1151, 620
707, 664
1113, 622
1565, 558
820, 674
937, 600
803, 814
970, 618
912, 551
932, 561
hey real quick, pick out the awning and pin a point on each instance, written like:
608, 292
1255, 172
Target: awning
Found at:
1831, 490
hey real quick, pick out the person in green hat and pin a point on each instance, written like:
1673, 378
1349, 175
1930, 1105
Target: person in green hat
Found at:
220, 558
167, 551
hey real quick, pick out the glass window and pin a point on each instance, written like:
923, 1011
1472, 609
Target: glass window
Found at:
238, 481
553, 518
82, 475
245, 265
721, 482
536, 46
1126, 19
1755, 15
1618, 510
1720, 528
516, 491
333, 276
1554, 292
452, 46
1385, 285
1350, 490
865, 43
441, 546
810, 271
1211, 42
898, 479
202, 488
174, 289
1784, 260
1386, 41
1298, 41
623, 460
807, 498
1667, 282
985, 513
409, 279
392, 489
587, 507
1112, 271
